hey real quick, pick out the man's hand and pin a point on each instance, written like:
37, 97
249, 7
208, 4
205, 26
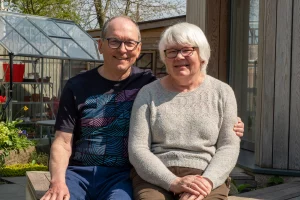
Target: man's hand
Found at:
192, 184
239, 128
57, 191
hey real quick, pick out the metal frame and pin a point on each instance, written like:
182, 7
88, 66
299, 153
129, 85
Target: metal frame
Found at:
41, 55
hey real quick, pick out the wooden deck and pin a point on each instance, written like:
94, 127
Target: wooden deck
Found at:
284, 191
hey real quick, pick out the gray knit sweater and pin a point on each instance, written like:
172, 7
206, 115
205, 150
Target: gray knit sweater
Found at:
192, 129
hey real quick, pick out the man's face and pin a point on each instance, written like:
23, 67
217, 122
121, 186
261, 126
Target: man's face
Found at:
120, 59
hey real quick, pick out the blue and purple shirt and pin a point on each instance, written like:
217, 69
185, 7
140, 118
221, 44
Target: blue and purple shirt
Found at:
97, 111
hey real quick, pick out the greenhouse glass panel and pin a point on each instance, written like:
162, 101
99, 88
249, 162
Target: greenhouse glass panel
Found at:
49, 27
4, 29
28, 49
34, 36
71, 48
15, 43
55, 51
13, 20
24, 35
84, 40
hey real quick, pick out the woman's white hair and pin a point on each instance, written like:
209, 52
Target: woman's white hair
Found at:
185, 34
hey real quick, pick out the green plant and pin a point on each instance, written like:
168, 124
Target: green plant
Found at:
275, 180
11, 139
39, 158
244, 188
240, 188
20, 169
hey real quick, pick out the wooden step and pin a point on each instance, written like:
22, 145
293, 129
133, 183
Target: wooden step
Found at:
279, 192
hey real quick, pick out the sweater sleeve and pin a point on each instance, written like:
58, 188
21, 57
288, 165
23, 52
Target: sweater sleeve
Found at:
228, 143
148, 166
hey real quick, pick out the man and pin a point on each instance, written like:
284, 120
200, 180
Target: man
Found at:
89, 158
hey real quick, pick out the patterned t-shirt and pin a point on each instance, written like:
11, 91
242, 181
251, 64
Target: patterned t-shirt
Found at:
97, 111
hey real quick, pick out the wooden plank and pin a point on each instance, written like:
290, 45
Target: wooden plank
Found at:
258, 134
224, 40
213, 35
38, 182
196, 13
278, 192
239, 56
155, 32
282, 84
266, 63
294, 147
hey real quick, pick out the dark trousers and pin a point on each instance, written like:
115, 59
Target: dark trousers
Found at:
98, 183
143, 190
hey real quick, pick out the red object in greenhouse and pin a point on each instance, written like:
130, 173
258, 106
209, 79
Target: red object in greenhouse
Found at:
18, 72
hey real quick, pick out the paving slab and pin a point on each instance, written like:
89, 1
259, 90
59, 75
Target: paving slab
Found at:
20, 180
14, 191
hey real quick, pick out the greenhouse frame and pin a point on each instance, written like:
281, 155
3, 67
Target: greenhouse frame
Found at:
41, 54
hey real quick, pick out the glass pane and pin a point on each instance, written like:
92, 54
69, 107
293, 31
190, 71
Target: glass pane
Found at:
34, 36
145, 61
50, 28
55, 51
17, 44
71, 48
81, 38
252, 65
14, 20
4, 28
28, 49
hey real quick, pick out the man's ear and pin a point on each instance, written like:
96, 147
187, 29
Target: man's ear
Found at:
139, 48
100, 43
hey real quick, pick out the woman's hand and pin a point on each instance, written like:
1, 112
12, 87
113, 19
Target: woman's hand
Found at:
188, 196
192, 184
199, 181
239, 128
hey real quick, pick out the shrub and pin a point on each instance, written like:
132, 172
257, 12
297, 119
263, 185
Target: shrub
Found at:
20, 169
11, 138
39, 158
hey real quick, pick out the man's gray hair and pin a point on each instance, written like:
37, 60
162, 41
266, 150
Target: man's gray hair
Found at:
185, 34
106, 25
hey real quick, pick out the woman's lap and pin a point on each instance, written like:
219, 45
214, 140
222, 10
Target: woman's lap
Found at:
143, 190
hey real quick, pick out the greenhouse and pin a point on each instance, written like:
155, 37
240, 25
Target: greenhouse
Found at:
37, 56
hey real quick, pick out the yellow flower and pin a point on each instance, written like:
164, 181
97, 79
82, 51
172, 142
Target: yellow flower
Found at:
25, 108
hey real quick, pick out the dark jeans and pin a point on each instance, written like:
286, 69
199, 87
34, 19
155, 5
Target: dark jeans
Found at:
142, 190
98, 183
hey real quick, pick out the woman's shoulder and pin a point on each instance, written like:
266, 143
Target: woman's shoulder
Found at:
151, 86
218, 84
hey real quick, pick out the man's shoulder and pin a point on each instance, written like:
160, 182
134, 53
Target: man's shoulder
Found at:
143, 76
137, 70
84, 76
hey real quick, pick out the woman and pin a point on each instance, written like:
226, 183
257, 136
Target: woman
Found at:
181, 141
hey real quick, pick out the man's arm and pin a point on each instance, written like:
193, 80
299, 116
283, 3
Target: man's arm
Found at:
61, 150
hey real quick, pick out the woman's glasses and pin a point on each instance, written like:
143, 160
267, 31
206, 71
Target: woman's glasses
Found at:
185, 52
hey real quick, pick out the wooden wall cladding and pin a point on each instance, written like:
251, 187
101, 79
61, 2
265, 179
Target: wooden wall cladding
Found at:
217, 32
278, 127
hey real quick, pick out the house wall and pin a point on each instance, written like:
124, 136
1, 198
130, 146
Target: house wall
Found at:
278, 127
213, 18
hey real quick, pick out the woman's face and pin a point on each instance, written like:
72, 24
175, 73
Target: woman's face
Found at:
183, 66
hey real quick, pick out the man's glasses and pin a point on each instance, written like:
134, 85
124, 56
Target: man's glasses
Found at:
185, 52
114, 43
